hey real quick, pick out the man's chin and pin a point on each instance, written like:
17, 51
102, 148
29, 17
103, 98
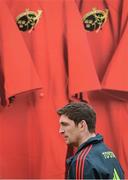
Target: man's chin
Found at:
67, 142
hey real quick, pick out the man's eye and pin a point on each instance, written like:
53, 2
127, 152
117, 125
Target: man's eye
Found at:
64, 124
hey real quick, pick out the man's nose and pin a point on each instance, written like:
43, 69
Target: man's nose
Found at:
61, 130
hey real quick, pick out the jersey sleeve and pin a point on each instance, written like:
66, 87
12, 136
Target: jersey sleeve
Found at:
82, 75
116, 76
96, 170
115, 80
17, 72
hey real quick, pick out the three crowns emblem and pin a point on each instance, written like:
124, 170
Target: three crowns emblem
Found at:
94, 20
27, 20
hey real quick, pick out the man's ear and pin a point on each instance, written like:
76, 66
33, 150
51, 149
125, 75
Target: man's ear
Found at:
82, 124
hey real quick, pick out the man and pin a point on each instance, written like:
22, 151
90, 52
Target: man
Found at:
93, 159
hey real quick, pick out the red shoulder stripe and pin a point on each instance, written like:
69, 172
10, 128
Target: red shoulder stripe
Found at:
79, 162
83, 161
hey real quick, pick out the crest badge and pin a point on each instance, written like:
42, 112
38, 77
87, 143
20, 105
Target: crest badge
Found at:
95, 19
27, 20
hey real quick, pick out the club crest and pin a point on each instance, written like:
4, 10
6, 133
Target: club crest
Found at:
27, 20
94, 20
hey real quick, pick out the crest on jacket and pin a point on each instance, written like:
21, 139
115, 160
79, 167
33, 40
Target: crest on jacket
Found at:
27, 20
94, 20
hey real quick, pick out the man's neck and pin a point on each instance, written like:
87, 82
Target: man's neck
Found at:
85, 138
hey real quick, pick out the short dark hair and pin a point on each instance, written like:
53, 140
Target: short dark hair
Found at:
78, 111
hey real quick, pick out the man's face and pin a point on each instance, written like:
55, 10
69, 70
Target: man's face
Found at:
69, 130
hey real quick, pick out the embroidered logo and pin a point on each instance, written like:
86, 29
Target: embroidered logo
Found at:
94, 20
108, 154
27, 20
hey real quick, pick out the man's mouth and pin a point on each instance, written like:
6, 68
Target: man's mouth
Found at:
65, 137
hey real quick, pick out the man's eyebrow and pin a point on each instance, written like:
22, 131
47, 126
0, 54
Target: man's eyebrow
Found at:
64, 123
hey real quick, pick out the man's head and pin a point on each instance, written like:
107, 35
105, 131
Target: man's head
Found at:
77, 122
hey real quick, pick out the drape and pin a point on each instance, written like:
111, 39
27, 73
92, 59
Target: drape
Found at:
42, 68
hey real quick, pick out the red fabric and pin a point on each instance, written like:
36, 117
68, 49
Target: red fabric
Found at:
109, 52
53, 53
116, 75
19, 74
79, 61
48, 57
